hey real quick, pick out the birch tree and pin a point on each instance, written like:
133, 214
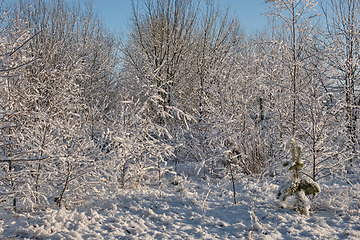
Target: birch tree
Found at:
161, 35
14, 154
295, 17
343, 41
57, 95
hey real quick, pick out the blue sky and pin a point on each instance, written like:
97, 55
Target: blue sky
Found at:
116, 13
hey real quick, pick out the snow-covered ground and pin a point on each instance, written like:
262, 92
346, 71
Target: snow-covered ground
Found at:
195, 210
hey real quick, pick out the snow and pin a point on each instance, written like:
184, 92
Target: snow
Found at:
196, 210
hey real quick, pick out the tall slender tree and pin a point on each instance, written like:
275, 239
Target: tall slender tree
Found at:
343, 41
295, 17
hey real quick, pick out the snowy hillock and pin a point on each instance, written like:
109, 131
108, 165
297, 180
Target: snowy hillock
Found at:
195, 210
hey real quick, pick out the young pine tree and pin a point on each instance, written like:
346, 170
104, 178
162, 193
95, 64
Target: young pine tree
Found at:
298, 186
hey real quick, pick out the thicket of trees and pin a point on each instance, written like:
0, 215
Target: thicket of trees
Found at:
186, 92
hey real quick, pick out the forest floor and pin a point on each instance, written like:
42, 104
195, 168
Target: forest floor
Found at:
196, 210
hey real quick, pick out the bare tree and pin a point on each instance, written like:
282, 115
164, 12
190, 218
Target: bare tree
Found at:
161, 36
343, 41
14, 155
295, 17
57, 96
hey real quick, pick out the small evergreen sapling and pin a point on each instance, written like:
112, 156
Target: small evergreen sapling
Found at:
298, 186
